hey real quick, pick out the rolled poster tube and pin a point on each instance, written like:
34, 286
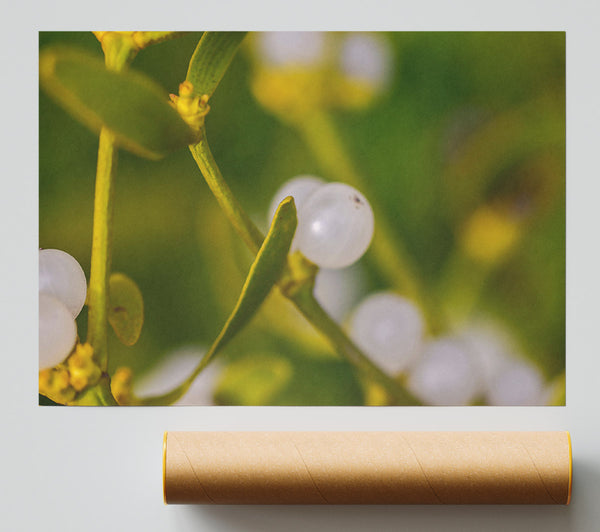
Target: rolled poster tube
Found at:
367, 467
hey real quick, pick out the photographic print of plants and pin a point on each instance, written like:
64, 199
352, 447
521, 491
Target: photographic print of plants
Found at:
302, 218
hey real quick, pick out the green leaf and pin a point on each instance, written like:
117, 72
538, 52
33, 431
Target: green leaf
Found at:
211, 59
131, 105
126, 308
264, 273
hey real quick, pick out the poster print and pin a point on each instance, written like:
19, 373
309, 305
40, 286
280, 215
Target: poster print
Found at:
302, 218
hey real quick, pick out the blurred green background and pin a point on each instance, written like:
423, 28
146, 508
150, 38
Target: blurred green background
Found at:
469, 120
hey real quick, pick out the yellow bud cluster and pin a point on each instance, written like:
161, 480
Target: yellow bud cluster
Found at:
291, 93
55, 384
82, 369
291, 87
136, 39
63, 382
192, 108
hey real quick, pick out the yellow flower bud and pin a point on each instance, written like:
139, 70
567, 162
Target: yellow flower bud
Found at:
54, 383
489, 234
82, 369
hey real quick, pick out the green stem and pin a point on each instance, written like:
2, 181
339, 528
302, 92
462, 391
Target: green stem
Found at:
97, 395
233, 210
314, 313
302, 296
102, 230
101, 248
389, 254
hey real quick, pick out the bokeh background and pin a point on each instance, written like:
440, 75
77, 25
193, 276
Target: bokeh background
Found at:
464, 154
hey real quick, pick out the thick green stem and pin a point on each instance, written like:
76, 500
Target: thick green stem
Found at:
102, 230
97, 395
389, 254
314, 313
302, 296
101, 248
233, 210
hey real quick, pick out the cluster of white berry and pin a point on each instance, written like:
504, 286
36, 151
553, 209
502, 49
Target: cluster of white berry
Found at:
476, 364
63, 290
335, 227
361, 57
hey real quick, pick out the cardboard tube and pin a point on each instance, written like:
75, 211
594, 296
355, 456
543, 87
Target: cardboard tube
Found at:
367, 467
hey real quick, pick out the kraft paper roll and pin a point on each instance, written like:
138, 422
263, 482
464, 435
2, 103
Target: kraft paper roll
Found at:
367, 468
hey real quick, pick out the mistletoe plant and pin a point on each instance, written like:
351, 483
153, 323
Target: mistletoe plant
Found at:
129, 111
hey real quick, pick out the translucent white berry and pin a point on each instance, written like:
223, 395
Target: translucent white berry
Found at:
62, 277
490, 350
173, 370
299, 187
366, 58
389, 329
57, 333
292, 48
445, 374
339, 290
335, 226
518, 384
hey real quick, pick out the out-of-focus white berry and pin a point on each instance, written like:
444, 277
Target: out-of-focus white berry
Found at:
517, 384
291, 48
62, 277
335, 226
299, 187
58, 331
366, 58
389, 329
489, 349
445, 374
338, 290
173, 370
547, 395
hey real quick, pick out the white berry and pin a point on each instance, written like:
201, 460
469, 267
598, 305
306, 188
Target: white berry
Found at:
366, 58
292, 48
445, 374
339, 290
389, 329
62, 277
299, 187
335, 226
173, 370
490, 350
57, 331
518, 384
